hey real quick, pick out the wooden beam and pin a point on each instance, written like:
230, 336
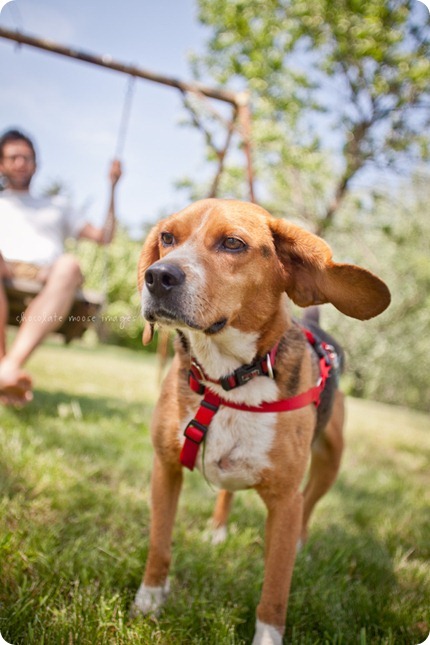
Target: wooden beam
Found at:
108, 62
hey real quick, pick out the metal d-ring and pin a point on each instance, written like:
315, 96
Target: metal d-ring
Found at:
269, 367
198, 368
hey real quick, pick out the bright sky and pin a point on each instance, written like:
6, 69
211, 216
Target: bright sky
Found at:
73, 109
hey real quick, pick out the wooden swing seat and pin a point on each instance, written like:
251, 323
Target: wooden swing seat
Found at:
83, 314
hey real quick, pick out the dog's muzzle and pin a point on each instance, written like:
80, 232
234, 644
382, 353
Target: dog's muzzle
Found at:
168, 302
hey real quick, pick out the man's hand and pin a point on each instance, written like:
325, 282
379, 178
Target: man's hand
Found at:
5, 271
115, 172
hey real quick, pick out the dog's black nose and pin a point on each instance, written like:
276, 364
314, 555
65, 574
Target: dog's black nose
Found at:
161, 278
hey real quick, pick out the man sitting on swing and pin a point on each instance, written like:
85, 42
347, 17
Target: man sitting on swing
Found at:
32, 235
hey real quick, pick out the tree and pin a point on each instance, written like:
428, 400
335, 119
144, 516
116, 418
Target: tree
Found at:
387, 358
337, 86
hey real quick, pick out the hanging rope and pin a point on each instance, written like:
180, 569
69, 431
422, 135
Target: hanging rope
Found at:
16, 17
119, 148
125, 117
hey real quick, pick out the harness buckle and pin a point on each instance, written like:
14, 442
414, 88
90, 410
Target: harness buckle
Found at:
327, 352
195, 431
242, 375
333, 356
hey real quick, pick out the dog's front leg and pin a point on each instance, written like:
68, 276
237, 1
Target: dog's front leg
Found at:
165, 488
282, 533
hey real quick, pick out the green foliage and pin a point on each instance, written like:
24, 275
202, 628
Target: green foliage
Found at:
387, 358
335, 86
74, 490
112, 270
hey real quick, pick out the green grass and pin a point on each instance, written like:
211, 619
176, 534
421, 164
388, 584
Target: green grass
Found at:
74, 484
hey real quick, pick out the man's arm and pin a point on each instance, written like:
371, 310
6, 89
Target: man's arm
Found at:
5, 271
104, 234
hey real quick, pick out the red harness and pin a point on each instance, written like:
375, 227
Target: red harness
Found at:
196, 430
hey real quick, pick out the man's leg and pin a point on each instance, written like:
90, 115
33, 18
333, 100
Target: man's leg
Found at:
45, 314
4, 309
15, 386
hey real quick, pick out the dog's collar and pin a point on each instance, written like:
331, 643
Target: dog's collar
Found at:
240, 376
197, 428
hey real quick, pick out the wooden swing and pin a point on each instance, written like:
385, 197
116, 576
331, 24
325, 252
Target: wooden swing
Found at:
84, 312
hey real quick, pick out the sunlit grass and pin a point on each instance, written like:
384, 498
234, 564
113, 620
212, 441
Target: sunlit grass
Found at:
74, 477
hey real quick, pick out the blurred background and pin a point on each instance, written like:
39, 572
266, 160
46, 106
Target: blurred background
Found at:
340, 100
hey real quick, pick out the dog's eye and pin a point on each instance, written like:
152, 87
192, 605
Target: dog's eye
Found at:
233, 244
167, 239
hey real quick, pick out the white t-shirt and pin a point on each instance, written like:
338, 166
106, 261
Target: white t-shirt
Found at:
34, 229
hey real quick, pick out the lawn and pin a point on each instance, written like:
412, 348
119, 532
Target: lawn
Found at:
74, 486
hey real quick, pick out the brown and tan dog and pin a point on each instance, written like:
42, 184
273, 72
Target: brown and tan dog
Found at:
220, 272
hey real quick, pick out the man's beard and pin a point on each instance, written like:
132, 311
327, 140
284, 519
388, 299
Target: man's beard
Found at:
18, 183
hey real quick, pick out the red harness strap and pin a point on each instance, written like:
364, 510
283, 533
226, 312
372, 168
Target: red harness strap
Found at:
196, 430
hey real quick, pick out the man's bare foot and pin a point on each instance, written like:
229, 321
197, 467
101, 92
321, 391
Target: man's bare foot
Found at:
15, 385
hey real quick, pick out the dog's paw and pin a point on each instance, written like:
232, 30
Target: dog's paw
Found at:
149, 600
266, 634
215, 535
219, 535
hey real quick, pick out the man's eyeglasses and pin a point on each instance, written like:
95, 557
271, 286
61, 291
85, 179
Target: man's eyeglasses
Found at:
13, 158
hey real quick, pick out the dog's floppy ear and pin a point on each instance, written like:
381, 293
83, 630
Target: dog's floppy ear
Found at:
312, 277
148, 255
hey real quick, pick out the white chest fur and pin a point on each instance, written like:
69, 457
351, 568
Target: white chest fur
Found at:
236, 449
237, 444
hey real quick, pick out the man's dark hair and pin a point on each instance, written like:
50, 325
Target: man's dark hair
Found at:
10, 136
